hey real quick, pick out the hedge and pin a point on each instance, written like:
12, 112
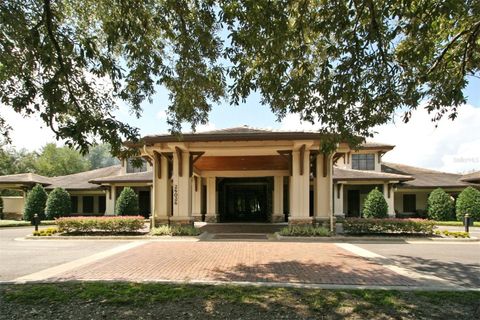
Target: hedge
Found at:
440, 205
392, 225
375, 205
58, 204
304, 231
127, 203
35, 203
112, 224
468, 201
166, 230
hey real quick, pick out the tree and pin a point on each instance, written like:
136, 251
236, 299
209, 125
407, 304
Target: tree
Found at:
99, 157
345, 64
58, 204
468, 201
440, 205
59, 161
127, 203
375, 205
35, 203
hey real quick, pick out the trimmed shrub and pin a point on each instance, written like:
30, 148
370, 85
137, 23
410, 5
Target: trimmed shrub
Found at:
35, 203
111, 224
375, 205
166, 230
378, 226
127, 203
440, 206
45, 232
304, 231
58, 204
468, 201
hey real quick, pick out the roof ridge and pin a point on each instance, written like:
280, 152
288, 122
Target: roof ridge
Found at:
425, 170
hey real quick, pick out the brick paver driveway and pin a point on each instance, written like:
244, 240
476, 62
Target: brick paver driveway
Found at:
312, 263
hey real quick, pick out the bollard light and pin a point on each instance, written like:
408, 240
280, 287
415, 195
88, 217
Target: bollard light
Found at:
35, 221
467, 222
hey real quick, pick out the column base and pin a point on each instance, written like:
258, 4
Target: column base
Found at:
300, 221
322, 222
278, 218
181, 221
211, 219
161, 221
197, 218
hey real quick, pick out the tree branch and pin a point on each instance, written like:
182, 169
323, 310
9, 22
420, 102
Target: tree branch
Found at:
58, 50
439, 59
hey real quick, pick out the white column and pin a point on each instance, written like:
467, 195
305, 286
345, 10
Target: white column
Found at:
338, 200
182, 189
278, 215
300, 189
211, 215
323, 182
110, 201
197, 198
161, 192
388, 194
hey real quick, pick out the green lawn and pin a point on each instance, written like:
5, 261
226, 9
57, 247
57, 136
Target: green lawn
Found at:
19, 223
455, 223
158, 301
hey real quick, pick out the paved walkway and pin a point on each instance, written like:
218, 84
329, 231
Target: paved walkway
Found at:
314, 263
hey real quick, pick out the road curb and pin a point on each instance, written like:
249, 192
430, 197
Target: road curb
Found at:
257, 284
373, 239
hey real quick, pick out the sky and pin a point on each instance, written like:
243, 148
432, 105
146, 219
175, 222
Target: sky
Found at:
451, 146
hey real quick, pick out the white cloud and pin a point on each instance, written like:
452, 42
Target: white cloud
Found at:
452, 146
292, 122
162, 115
30, 133
205, 127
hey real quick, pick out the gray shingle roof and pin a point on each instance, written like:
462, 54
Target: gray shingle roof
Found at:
80, 181
340, 174
425, 178
146, 176
472, 177
25, 178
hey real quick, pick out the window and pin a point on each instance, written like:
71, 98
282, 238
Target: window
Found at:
363, 161
74, 204
87, 204
409, 203
102, 204
133, 169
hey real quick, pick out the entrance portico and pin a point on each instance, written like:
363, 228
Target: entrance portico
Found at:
240, 174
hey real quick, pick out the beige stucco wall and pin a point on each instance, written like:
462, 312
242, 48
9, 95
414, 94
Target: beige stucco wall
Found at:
13, 207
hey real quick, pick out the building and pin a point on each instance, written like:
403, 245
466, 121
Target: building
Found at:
251, 175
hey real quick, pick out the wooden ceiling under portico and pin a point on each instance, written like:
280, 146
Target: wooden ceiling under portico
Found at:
238, 163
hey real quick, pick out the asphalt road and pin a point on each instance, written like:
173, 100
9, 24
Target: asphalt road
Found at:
19, 258
459, 263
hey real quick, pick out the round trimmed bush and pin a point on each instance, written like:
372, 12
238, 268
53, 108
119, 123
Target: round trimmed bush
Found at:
375, 205
440, 206
127, 203
58, 204
468, 201
35, 203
